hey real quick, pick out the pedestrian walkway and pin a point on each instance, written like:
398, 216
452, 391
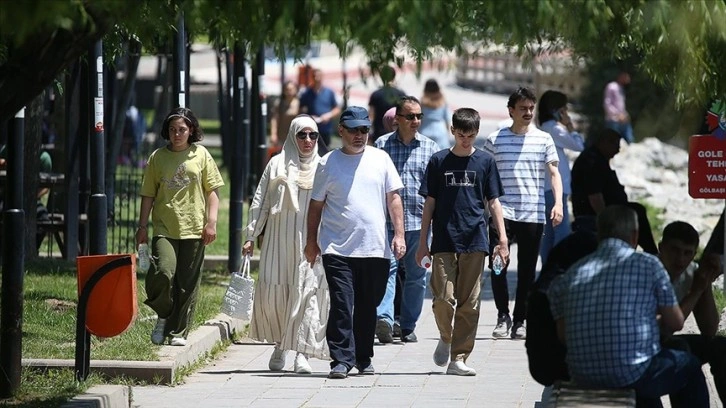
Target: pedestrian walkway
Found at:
405, 375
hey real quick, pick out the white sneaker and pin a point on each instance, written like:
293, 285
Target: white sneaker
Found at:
442, 353
277, 359
501, 330
301, 364
157, 335
519, 331
459, 368
178, 341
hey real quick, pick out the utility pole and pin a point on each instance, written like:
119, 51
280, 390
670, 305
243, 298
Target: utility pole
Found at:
97, 204
11, 301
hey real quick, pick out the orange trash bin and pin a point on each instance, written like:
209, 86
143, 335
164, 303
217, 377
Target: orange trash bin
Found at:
112, 305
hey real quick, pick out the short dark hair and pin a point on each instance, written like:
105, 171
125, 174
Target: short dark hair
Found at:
196, 134
404, 100
681, 231
550, 102
465, 119
521, 94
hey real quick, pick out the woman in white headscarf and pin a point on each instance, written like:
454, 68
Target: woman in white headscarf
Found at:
291, 298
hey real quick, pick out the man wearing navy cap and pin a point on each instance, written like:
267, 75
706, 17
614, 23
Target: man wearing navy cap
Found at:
354, 188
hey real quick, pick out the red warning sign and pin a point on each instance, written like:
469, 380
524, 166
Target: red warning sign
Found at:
707, 166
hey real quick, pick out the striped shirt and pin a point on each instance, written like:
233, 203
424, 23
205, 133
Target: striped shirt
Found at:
522, 163
410, 161
609, 301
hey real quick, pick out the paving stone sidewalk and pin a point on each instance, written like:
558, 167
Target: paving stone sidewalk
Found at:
405, 376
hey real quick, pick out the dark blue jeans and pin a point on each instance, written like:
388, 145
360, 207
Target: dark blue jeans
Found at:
357, 286
676, 373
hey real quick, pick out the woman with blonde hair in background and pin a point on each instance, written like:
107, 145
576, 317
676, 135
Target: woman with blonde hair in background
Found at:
435, 121
291, 298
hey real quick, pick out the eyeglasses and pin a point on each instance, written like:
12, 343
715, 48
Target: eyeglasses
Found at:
360, 129
303, 135
411, 116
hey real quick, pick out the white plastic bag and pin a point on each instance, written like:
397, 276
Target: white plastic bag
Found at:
240, 294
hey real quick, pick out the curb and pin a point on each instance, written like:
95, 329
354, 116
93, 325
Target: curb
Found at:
102, 396
172, 358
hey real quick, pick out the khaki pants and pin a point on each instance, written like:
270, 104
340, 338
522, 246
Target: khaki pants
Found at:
173, 281
456, 288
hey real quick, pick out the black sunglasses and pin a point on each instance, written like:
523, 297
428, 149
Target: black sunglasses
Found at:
312, 135
360, 129
412, 116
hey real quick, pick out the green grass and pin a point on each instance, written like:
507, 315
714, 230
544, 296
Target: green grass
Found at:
50, 315
656, 220
50, 389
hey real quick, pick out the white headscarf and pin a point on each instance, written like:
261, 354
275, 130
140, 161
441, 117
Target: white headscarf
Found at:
295, 170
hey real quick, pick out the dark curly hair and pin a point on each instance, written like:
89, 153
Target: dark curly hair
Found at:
196, 134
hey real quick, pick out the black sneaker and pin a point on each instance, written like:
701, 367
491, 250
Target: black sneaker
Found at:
384, 331
365, 369
408, 336
396, 330
340, 371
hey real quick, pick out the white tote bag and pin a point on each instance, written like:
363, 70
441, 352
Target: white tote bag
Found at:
240, 294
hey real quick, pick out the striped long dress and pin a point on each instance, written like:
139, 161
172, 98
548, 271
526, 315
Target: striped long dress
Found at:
291, 300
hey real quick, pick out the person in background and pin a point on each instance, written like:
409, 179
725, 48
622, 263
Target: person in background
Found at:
616, 114
553, 118
595, 186
355, 186
410, 151
435, 122
180, 192
291, 301
383, 99
693, 285
41, 211
285, 110
608, 307
389, 120
320, 102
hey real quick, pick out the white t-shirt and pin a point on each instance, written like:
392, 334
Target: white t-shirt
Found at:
354, 189
682, 285
522, 163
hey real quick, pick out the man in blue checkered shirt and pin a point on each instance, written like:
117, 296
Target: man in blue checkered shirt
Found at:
606, 307
410, 152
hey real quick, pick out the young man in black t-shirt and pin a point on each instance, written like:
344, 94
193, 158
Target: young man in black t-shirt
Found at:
459, 184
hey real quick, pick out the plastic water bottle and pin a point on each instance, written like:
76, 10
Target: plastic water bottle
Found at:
426, 262
497, 265
144, 257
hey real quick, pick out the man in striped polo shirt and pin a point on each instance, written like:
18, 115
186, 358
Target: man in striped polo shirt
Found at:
525, 155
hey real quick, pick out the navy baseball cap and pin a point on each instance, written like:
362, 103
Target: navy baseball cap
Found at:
355, 116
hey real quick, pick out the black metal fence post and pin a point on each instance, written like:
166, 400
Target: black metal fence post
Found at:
11, 301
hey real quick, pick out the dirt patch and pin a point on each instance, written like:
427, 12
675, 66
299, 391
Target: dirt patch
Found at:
58, 305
